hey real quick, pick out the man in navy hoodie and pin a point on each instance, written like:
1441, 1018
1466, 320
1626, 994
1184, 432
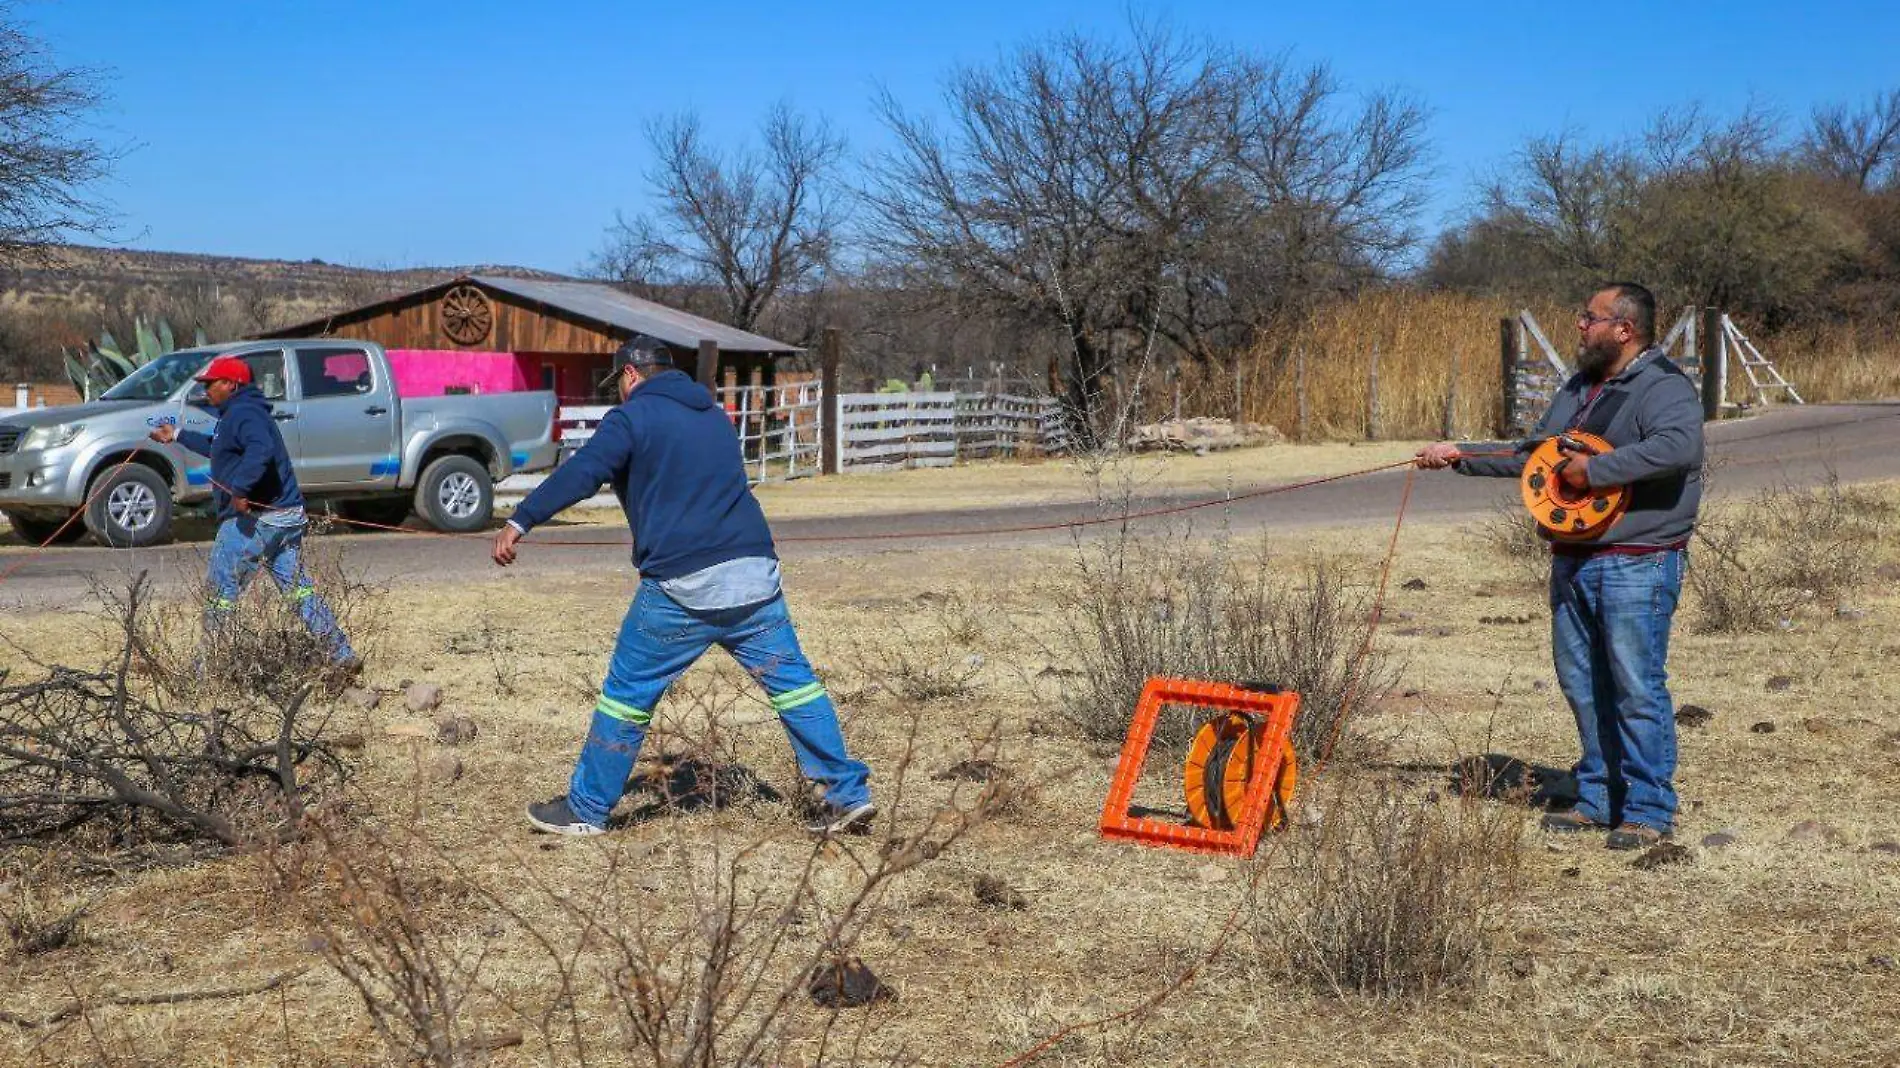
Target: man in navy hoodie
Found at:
708, 576
260, 507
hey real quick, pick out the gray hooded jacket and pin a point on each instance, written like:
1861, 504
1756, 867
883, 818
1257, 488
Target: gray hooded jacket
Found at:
1651, 415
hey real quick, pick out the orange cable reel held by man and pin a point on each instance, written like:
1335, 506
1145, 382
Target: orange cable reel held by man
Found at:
1567, 514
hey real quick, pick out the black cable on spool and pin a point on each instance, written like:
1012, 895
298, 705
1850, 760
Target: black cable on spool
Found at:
1214, 773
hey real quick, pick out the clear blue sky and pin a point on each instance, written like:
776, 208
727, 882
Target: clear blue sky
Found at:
404, 133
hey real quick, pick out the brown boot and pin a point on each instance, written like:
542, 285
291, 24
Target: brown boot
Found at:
1628, 836
1569, 821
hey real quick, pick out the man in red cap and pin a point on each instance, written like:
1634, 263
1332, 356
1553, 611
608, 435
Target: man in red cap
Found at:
260, 507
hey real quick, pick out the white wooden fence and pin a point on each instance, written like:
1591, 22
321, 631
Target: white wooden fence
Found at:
781, 430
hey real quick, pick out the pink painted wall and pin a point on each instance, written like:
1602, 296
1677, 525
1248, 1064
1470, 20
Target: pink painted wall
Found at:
430, 372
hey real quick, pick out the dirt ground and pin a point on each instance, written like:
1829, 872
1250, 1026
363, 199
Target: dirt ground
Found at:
1778, 949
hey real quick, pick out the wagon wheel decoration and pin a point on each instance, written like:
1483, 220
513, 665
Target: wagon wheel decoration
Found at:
467, 316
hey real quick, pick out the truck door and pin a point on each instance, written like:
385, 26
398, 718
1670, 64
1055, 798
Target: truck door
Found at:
346, 417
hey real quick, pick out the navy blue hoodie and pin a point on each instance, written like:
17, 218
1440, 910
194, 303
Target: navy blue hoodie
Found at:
247, 453
672, 458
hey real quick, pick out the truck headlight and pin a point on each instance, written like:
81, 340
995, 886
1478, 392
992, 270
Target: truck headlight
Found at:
51, 437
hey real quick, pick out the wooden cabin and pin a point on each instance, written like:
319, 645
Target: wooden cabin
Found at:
560, 335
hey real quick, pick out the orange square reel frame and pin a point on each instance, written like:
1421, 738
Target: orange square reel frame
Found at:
1249, 823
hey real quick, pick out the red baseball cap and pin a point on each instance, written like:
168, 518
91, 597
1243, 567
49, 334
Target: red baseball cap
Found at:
226, 369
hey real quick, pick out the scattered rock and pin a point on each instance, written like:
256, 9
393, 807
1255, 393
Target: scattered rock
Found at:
846, 984
445, 768
1850, 612
1818, 725
1719, 840
422, 696
994, 893
349, 740
1888, 572
1212, 873
1693, 716
1200, 435
1814, 831
1764, 727
972, 771
409, 730
1885, 847
1540, 685
488, 1043
1501, 621
1406, 632
1779, 683
1414, 584
1663, 853
1882, 961
1572, 872
455, 730
365, 699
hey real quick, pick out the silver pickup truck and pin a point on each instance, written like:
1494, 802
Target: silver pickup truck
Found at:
351, 439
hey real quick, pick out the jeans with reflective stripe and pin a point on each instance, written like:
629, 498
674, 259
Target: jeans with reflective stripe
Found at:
242, 548
1610, 619
658, 641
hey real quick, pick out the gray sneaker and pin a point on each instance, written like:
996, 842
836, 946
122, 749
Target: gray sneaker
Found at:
853, 820
554, 817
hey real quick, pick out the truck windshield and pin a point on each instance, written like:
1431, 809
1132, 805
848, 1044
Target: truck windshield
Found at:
159, 379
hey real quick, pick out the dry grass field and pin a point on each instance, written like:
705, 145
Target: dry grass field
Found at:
1011, 919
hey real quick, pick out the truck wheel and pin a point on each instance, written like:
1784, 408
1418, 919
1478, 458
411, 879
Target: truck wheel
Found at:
456, 494
37, 531
377, 511
131, 508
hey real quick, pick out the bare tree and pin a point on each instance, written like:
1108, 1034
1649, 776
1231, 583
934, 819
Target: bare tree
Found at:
1859, 145
44, 164
1162, 192
754, 225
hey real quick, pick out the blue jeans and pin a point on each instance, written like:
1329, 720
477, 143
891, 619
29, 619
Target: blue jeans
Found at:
243, 547
1609, 632
659, 640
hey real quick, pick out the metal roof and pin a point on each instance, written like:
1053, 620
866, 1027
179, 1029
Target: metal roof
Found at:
612, 307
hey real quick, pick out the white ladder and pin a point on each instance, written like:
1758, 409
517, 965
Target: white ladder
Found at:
1762, 375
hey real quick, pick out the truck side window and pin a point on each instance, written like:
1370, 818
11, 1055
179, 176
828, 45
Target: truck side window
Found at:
267, 372
338, 372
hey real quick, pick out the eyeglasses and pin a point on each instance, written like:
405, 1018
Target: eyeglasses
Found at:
1585, 320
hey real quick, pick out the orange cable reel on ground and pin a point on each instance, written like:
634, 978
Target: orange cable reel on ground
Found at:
1220, 766
1567, 514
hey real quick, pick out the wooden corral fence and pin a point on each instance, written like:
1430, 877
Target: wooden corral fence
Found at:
884, 431
781, 428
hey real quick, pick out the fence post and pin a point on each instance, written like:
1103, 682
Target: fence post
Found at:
1372, 395
707, 370
1299, 389
1240, 405
1714, 363
1448, 430
830, 384
1507, 379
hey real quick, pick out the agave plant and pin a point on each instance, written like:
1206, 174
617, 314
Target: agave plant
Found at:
103, 364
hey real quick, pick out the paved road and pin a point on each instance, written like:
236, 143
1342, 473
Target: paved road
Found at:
1796, 446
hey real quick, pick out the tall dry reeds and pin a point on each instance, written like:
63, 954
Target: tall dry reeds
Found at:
1436, 351
1831, 363
1438, 369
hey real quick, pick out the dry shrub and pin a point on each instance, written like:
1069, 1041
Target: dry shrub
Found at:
1392, 894
373, 922
671, 952
1510, 535
93, 758
932, 660
263, 647
1213, 610
1788, 550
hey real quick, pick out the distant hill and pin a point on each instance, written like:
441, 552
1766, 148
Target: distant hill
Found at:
104, 281
55, 305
